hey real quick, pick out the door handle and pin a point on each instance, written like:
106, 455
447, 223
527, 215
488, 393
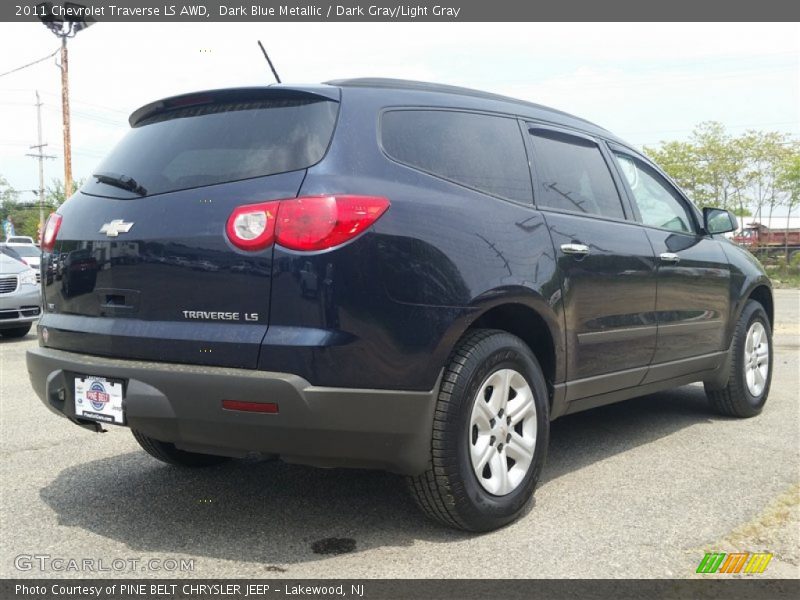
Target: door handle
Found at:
669, 257
575, 249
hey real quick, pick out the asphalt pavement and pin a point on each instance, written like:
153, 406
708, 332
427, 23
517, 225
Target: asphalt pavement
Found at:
638, 489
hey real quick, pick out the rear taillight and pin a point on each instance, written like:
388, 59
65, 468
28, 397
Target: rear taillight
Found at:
252, 227
321, 222
307, 224
51, 232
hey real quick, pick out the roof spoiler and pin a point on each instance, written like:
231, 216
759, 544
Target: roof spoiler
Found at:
233, 94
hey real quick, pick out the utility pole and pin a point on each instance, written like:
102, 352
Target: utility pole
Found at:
65, 27
65, 117
40, 155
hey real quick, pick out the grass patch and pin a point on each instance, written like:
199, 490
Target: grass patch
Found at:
785, 281
783, 273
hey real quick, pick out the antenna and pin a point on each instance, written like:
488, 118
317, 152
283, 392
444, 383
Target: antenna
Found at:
274, 72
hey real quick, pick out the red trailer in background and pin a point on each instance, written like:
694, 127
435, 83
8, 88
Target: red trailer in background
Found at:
763, 241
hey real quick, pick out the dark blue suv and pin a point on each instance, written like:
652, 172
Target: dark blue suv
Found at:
386, 274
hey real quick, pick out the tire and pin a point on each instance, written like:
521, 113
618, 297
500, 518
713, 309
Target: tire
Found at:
739, 397
16, 332
168, 453
455, 492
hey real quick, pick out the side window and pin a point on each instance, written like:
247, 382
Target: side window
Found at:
482, 152
659, 205
573, 175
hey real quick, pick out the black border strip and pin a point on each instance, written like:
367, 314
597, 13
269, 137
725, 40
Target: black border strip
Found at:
419, 10
709, 587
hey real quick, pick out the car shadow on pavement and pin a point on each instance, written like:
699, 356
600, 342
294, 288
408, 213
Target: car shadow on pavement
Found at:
10, 340
584, 438
275, 515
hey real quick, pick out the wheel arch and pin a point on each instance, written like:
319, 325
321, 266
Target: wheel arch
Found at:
759, 290
528, 325
762, 293
527, 316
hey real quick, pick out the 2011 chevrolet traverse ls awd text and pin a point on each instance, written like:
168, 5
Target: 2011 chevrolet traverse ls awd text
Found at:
386, 274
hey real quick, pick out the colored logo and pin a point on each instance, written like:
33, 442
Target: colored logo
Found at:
737, 562
96, 394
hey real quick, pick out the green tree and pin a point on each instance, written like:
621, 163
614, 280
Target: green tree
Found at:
54, 192
707, 167
7, 193
737, 173
680, 161
788, 182
25, 215
10, 208
764, 153
718, 160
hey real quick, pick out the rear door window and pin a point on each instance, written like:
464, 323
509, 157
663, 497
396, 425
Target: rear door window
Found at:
217, 142
573, 175
479, 151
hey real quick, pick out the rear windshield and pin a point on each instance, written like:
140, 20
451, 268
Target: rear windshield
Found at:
216, 143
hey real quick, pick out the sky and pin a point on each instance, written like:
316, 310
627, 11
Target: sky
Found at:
644, 82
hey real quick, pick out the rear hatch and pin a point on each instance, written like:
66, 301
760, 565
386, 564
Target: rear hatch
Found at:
141, 267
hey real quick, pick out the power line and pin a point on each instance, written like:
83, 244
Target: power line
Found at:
116, 122
36, 62
94, 104
94, 116
79, 150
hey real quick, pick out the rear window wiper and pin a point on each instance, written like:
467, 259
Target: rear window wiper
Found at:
121, 181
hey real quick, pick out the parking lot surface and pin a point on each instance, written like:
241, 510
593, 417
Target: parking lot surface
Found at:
638, 489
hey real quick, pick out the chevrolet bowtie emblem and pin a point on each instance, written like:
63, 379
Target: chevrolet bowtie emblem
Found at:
115, 227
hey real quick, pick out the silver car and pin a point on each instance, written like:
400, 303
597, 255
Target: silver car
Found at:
29, 254
20, 297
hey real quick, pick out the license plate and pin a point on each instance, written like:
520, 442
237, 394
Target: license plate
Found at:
99, 399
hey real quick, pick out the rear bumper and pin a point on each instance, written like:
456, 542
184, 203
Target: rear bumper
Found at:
182, 404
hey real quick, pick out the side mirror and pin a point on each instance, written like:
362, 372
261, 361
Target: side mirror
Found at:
717, 220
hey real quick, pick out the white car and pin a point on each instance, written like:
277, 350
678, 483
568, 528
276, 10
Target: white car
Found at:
29, 254
20, 299
20, 239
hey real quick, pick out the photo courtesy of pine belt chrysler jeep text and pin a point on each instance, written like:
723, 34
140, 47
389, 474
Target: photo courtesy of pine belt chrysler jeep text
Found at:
386, 274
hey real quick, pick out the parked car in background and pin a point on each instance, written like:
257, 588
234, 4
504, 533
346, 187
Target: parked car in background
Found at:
29, 254
409, 277
20, 296
20, 239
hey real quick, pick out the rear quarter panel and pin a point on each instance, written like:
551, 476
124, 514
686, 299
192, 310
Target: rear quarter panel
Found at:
386, 310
